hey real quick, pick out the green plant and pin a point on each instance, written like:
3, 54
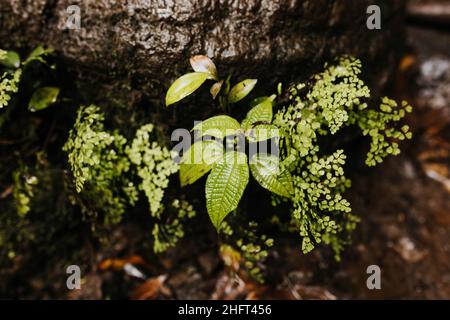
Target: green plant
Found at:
244, 249
168, 234
110, 171
13, 69
97, 158
313, 182
205, 69
229, 170
23, 191
9, 84
154, 165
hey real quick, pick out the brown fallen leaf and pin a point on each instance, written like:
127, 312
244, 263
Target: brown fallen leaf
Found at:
407, 62
435, 159
118, 264
151, 288
229, 286
406, 248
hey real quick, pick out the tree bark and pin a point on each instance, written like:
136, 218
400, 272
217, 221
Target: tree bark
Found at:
127, 50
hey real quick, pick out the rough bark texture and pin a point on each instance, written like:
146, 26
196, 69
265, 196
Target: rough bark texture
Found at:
128, 48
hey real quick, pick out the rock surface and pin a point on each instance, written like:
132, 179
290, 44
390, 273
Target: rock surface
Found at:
140, 46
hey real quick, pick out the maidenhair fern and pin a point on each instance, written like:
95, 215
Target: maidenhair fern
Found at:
168, 234
98, 162
108, 171
244, 248
154, 165
9, 84
338, 98
378, 125
319, 208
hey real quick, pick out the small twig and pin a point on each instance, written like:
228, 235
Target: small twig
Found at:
7, 192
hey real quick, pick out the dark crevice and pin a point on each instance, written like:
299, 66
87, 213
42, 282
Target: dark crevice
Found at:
49, 12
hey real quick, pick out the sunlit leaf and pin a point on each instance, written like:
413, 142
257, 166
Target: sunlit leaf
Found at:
260, 113
266, 170
215, 89
10, 59
198, 160
218, 126
225, 186
280, 88
202, 63
241, 90
42, 98
184, 86
38, 54
258, 100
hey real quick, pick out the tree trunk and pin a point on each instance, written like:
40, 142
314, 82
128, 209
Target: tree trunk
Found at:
129, 50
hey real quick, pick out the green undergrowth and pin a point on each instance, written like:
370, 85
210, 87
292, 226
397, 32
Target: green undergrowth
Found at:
105, 174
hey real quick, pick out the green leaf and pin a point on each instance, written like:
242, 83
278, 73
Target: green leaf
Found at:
184, 86
279, 88
38, 54
266, 170
227, 87
218, 126
215, 89
42, 98
241, 90
225, 186
261, 112
198, 160
202, 63
10, 59
262, 132
257, 101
